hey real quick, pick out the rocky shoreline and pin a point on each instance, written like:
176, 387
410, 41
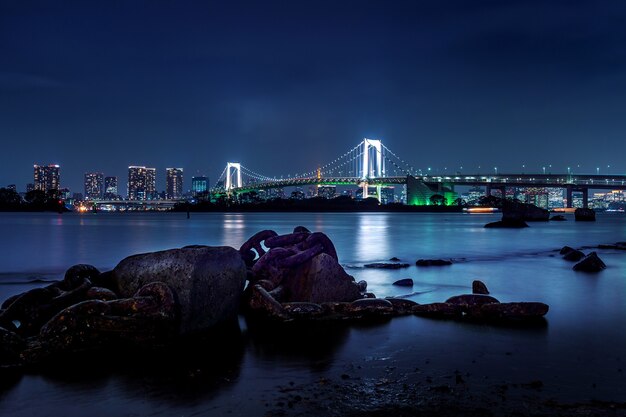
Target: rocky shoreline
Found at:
154, 298
130, 308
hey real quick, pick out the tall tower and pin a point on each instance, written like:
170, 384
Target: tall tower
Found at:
141, 183
151, 190
174, 186
233, 169
46, 178
199, 186
372, 159
372, 164
94, 185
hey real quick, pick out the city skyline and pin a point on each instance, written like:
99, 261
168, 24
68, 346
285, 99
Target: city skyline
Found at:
511, 85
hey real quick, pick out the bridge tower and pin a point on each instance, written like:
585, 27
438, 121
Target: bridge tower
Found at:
230, 167
372, 164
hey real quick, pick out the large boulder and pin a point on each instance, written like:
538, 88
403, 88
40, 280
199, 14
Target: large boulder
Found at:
585, 215
525, 212
207, 282
590, 263
318, 280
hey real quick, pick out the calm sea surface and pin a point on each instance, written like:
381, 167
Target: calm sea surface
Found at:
580, 355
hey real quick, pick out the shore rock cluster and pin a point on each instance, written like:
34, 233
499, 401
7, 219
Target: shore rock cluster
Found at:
154, 298
585, 263
515, 215
147, 299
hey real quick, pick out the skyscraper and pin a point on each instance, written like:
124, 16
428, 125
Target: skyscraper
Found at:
94, 185
151, 190
46, 178
199, 186
174, 186
141, 183
110, 188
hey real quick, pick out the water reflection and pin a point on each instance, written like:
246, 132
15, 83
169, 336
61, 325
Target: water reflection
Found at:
372, 237
235, 229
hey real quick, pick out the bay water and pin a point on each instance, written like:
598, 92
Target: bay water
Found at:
579, 354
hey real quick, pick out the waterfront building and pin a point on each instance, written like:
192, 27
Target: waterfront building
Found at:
141, 183
12, 187
174, 183
46, 177
110, 188
94, 185
30, 187
199, 187
420, 193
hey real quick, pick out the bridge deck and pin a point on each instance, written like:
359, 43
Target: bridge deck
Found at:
614, 182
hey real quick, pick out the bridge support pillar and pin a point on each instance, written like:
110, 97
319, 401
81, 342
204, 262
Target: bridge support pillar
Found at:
569, 190
503, 192
488, 190
585, 197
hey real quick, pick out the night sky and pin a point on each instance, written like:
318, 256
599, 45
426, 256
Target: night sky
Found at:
284, 86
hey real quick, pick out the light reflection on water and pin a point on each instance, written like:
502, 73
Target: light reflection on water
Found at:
583, 340
372, 237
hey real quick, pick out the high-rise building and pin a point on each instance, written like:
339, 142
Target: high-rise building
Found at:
94, 185
46, 178
136, 183
110, 188
174, 183
199, 186
141, 183
151, 190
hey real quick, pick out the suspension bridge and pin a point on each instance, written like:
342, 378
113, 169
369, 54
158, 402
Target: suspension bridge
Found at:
368, 165
365, 165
